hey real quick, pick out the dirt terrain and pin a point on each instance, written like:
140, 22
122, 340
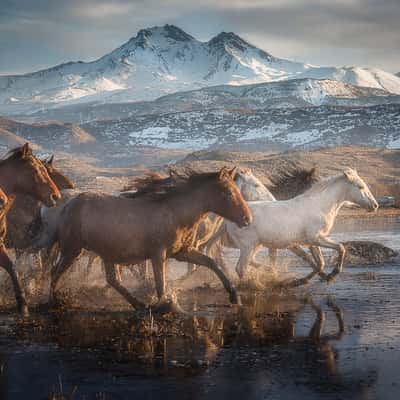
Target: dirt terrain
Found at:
379, 167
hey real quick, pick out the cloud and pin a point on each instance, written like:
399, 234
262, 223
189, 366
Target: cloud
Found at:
317, 31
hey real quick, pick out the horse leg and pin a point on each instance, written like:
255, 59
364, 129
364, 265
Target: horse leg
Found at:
65, 262
253, 260
147, 271
112, 280
7, 264
118, 273
50, 257
316, 262
198, 258
214, 248
164, 305
246, 254
330, 244
91, 260
159, 265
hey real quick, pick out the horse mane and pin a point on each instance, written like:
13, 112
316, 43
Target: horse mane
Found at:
14, 154
322, 185
155, 185
293, 181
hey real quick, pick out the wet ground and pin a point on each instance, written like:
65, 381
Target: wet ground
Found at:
334, 342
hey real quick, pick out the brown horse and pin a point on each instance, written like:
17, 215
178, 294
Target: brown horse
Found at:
22, 173
159, 221
25, 214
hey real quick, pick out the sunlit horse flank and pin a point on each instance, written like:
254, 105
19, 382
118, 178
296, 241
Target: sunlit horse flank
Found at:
157, 223
304, 220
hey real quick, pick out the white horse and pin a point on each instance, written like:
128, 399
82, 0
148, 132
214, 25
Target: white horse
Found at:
304, 220
252, 189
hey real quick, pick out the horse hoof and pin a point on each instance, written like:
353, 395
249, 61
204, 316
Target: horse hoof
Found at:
167, 307
23, 310
234, 298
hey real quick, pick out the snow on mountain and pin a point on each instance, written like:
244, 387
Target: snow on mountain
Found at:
282, 94
269, 129
162, 60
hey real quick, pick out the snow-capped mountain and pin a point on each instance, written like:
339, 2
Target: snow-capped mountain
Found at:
163, 60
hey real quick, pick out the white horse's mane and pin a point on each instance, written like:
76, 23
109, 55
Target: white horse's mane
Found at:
322, 185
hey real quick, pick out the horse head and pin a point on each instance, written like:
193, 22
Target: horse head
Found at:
61, 181
26, 174
231, 204
359, 192
251, 187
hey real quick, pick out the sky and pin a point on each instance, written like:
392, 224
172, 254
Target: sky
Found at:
36, 34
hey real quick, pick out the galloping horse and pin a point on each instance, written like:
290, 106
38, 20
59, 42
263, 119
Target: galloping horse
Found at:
291, 182
158, 222
22, 173
23, 218
304, 220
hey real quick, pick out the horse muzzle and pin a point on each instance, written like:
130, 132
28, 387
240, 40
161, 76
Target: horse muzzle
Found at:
374, 206
246, 221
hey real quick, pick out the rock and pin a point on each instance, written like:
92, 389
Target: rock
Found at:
366, 252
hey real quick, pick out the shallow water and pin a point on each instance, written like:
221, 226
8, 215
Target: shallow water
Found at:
277, 346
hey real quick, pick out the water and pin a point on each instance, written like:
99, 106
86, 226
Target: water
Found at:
277, 346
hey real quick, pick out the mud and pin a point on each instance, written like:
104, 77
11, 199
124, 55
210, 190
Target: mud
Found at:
340, 341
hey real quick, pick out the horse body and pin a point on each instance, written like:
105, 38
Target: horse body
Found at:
148, 226
304, 220
290, 183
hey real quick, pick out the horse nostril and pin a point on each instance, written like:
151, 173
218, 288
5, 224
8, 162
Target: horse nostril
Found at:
54, 197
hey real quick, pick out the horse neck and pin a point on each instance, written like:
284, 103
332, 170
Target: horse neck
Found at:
7, 178
190, 206
331, 198
245, 188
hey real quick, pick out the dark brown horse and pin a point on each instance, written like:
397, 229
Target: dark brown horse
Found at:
21, 173
158, 222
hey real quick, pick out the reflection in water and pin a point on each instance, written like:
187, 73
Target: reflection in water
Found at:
255, 347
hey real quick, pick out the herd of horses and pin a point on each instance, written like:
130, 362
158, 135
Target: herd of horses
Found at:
188, 216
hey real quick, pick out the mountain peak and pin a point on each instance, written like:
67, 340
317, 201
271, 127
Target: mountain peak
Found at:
231, 39
167, 31
234, 41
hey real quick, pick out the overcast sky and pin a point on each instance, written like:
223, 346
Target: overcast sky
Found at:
40, 33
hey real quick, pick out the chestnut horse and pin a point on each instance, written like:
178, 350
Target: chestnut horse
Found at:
23, 221
22, 173
157, 222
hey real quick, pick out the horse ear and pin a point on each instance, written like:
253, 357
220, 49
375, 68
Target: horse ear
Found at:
232, 172
349, 174
50, 160
222, 173
26, 150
